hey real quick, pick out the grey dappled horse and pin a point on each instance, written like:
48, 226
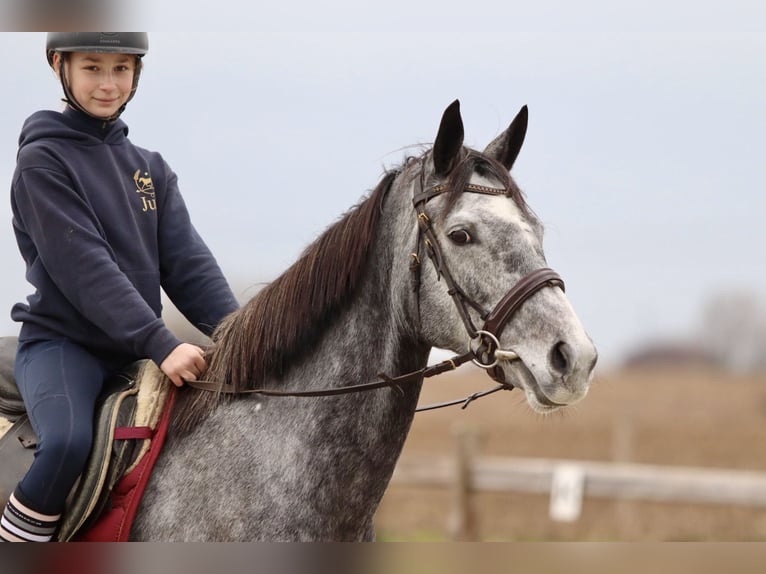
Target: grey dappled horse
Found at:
250, 467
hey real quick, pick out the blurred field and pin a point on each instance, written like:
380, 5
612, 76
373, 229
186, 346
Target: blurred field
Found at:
686, 417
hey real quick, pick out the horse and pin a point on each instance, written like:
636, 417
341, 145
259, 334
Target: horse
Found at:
361, 301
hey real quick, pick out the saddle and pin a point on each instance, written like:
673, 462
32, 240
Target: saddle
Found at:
127, 417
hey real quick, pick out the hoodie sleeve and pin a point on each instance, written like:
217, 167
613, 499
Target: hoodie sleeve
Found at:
191, 275
72, 248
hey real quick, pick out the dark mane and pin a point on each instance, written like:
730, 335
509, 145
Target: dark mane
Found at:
287, 317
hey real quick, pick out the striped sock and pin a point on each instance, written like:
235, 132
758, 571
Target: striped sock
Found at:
20, 523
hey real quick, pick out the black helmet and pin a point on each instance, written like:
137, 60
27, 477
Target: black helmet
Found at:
136, 43
115, 42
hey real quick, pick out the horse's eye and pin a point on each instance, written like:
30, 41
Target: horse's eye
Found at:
460, 236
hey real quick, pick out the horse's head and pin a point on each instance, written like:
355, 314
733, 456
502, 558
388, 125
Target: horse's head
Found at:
486, 245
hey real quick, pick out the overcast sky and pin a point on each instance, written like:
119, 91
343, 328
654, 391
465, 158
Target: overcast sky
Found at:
645, 153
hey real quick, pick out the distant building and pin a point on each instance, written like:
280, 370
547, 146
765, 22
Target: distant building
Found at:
671, 355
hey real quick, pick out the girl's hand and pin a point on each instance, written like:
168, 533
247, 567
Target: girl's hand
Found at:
184, 363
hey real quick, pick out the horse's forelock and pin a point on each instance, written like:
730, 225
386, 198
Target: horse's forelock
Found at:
473, 162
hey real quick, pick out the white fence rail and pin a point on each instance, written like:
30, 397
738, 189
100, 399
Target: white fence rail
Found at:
601, 479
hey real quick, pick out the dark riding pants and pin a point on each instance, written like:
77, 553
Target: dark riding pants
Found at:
60, 382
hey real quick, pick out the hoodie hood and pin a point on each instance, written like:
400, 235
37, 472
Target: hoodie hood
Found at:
72, 125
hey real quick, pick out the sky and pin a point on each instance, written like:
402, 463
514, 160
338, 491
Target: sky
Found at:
644, 155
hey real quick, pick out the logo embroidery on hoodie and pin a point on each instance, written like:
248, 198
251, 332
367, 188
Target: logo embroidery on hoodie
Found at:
145, 186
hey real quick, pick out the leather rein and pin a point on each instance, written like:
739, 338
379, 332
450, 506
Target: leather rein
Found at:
484, 348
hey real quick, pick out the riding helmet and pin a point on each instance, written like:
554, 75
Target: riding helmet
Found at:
115, 42
136, 43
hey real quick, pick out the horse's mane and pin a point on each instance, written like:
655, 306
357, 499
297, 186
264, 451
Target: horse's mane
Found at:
287, 317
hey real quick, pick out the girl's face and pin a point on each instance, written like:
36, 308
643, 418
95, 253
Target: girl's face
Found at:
100, 82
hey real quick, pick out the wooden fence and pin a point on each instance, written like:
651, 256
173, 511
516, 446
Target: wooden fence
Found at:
601, 479
569, 481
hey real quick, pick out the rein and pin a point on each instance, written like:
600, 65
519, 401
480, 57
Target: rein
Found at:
484, 347
386, 381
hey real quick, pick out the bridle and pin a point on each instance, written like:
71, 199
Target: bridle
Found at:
484, 343
484, 347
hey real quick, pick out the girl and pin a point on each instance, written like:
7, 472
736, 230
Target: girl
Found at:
102, 228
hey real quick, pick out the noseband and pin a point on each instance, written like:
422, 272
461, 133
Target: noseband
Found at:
483, 343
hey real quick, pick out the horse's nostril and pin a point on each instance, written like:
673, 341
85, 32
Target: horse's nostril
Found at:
561, 358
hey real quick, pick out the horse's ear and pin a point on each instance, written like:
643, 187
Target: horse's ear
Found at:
449, 140
505, 148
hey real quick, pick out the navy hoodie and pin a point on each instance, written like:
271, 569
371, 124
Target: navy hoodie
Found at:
102, 228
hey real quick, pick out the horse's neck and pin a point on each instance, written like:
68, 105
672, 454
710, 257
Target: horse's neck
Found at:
372, 335
377, 330
318, 465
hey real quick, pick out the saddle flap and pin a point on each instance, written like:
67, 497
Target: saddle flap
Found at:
138, 404
108, 457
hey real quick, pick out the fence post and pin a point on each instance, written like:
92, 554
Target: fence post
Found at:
462, 520
623, 439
